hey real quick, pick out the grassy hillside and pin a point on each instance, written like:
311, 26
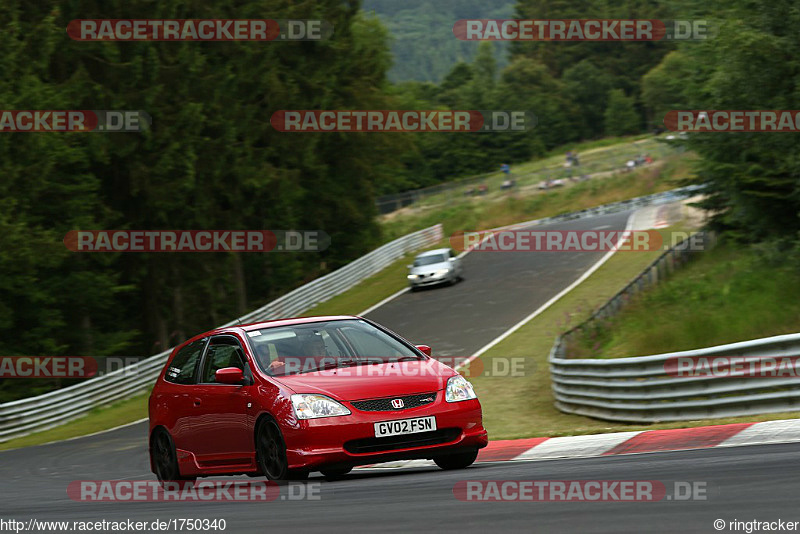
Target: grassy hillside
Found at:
731, 293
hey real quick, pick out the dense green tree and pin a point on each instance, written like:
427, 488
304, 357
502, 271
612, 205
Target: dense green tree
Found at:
753, 64
587, 87
423, 44
620, 116
665, 87
210, 161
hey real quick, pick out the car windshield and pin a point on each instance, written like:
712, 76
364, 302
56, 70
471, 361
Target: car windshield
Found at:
429, 260
303, 348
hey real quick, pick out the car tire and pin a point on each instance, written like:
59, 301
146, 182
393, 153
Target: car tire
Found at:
271, 451
165, 461
334, 473
458, 460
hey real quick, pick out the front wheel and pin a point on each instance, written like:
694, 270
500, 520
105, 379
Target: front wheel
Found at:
271, 451
458, 460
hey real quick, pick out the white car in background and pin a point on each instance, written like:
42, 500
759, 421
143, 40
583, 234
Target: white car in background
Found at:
440, 266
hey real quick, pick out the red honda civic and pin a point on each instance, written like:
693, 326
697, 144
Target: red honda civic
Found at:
284, 398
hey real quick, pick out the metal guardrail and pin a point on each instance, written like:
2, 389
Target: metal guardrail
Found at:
647, 389
21, 417
641, 390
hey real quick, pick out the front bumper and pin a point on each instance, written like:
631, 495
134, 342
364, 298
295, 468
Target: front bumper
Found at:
350, 440
429, 280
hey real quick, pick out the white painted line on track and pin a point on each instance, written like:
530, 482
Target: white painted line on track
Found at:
552, 301
384, 301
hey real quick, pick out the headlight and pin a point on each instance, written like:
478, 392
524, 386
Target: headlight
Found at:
413, 276
441, 272
313, 406
459, 389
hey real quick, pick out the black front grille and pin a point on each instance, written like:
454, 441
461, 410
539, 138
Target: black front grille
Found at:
406, 441
385, 404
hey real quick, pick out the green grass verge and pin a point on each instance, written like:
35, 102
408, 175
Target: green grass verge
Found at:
731, 293
522, 406
479, 213
101, 418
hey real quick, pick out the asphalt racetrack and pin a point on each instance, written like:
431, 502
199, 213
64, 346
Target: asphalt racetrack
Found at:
499, 290
744, 483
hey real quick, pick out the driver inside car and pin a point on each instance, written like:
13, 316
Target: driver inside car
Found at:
313, 349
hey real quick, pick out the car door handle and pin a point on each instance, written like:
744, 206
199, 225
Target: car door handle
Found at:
197, 402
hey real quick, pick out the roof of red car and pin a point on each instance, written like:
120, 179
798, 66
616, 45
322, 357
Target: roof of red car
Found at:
268, 324
296, 320
248, 327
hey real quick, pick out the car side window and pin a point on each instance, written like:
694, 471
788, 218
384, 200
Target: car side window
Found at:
221, 354
183, 367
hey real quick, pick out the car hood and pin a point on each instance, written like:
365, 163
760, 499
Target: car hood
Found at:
425, 269
372, 381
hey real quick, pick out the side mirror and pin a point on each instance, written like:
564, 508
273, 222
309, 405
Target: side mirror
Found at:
229, 375
425, 349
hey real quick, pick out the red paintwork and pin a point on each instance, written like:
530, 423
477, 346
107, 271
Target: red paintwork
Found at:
425, 349
229, 375
213, 428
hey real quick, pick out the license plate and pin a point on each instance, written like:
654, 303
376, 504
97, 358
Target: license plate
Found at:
405, 426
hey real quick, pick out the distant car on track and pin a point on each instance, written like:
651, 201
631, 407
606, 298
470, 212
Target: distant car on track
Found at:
285, 398
440, 266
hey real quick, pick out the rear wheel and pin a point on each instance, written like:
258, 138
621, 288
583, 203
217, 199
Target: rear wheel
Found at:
459, 460
165, 461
